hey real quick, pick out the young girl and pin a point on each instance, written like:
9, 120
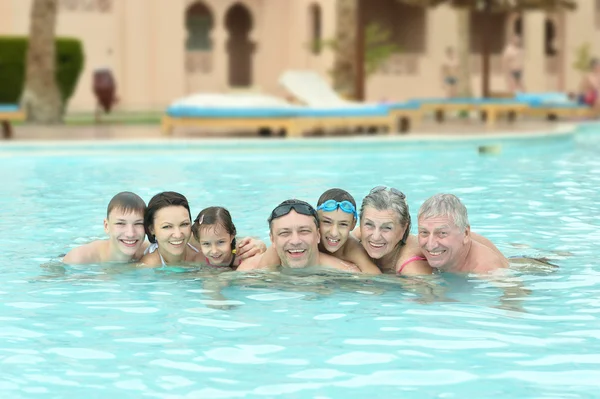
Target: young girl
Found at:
337, 218
214, 233
168, 225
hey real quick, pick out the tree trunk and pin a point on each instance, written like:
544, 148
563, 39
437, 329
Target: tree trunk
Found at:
344, 72
359, 52
41, 99
485, 51
464, 51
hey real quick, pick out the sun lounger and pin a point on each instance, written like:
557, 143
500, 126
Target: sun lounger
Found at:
555, 105
243, 111
8, 114
490, 108
311, 89
257, 111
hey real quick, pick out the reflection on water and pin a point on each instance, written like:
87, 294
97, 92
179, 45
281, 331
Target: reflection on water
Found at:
119, 331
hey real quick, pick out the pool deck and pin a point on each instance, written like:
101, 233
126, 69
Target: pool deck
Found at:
428, 130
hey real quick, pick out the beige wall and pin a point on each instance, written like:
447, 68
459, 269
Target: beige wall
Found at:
580, 28
143, 41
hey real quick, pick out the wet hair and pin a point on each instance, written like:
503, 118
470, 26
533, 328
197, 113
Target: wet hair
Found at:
383, 200
215, 215
158, 202
445, 205
336, 194
291, 203
127, 202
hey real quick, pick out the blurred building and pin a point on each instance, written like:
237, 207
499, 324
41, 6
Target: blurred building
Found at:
160, 50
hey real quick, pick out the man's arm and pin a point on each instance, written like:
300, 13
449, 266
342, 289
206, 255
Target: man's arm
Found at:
248, 247
269, 260
332, 262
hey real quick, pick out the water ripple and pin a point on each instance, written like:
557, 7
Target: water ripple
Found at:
360, 358
186, 366
81, 353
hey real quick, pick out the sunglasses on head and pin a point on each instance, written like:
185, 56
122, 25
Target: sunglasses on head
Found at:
392, 190
331, 205
302, 209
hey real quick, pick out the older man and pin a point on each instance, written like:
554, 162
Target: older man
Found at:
446, 240
294, 233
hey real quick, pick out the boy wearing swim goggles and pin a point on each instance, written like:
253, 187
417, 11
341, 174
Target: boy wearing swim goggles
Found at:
338, 217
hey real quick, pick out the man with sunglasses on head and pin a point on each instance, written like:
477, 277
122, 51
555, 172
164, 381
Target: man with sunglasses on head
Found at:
294, 233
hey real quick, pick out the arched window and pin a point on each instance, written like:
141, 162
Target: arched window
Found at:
238, 21
518, 26
198, 22
315, 28
550, 37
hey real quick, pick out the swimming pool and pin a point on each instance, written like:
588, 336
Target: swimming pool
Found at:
108, 331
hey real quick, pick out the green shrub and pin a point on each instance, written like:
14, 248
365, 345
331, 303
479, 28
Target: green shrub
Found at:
13, 57
583, 58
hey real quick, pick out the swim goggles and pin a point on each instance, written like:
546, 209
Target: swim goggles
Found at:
331, 205
392, 190
300, 207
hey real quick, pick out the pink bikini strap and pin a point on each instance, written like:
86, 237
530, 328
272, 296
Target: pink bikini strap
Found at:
409, 260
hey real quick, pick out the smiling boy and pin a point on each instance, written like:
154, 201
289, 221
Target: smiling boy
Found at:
124, 225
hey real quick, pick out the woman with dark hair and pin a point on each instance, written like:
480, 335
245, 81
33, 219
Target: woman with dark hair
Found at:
168, 225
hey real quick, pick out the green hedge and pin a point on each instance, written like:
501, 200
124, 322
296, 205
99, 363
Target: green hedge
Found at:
13, 56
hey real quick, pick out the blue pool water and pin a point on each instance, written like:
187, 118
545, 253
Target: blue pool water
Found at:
117, 332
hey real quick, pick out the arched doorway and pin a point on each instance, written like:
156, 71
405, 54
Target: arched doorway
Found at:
550, 37
238, 22
198, 23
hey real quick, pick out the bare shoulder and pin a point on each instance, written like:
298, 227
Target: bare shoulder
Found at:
486, 259
412, 244
150, 260
140, 252
410, 250
356, 233
484, 241
86, 254
354, 252
332, 262
417, 268
192, 256
411, 260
